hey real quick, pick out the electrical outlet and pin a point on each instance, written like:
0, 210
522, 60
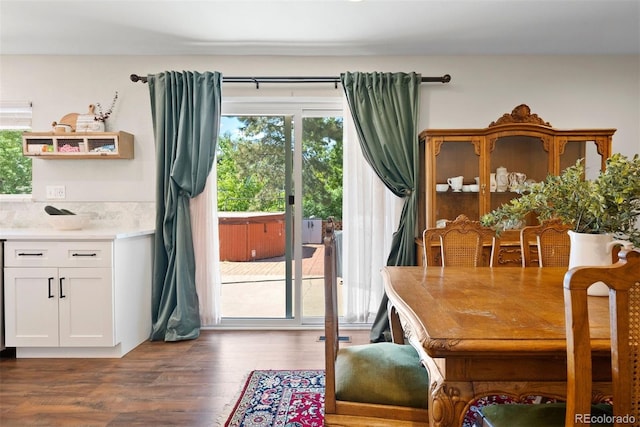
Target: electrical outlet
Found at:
55, 192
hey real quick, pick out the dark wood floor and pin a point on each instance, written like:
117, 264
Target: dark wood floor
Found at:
189, 383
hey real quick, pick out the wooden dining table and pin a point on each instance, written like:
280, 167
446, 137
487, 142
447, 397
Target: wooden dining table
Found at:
486, 331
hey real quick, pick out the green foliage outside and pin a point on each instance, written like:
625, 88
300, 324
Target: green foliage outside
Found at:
15, 169
251, 167
322, 167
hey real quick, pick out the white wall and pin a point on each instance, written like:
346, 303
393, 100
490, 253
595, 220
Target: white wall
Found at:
568, 92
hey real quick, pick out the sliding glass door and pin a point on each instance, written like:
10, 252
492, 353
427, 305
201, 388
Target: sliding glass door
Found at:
279, 176
255, 216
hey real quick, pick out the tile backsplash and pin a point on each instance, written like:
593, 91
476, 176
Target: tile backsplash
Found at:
29, 214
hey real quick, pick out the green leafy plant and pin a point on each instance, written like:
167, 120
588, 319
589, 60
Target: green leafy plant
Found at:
608, 204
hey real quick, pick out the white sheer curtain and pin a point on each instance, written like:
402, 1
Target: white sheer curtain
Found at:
206, 247
370, 217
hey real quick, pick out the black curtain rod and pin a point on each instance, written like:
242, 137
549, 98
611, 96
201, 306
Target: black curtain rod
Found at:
257, 80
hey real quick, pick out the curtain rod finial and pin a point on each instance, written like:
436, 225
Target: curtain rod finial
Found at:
136, 78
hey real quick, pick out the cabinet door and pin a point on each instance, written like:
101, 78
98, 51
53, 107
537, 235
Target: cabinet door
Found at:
593, 149
86, 307
527, 155
455, 158
31, 307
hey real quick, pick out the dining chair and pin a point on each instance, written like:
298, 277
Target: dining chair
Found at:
551, 240
461, 243
376, 384
623, 279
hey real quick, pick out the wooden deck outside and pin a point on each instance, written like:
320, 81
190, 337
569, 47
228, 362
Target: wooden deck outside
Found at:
257, 288
312, 264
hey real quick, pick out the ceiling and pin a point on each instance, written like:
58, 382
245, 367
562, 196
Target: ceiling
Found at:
319, 27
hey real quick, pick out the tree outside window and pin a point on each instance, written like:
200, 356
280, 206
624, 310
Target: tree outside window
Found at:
251, 166
15, 169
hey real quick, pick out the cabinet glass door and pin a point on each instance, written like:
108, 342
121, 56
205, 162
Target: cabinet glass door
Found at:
525, 160
457, 159
587, 150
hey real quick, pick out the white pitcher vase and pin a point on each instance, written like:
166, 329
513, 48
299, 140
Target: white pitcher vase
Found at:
593, 250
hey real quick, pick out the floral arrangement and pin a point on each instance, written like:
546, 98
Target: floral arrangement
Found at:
608, 204
101, 116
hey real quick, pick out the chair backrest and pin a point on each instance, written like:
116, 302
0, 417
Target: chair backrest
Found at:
331, 316
551, 240
623, 279
461, 242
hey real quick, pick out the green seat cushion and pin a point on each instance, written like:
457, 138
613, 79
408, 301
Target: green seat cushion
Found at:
537, 415
383, 373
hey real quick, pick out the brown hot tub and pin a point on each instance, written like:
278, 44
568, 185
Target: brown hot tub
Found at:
247, 236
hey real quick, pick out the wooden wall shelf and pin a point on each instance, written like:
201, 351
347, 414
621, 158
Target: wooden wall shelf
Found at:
75, 145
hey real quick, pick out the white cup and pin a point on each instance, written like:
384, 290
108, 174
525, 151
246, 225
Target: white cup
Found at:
474, 188
466, 188
455, 182
441, 188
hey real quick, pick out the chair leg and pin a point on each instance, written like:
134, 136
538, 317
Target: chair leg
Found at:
397, 333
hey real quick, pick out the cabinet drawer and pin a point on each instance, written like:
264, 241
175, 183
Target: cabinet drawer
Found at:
58, 254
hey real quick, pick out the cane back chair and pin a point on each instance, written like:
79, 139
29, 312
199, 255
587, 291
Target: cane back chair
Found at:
551, 240
461, 243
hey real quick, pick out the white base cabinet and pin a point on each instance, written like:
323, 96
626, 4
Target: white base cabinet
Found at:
67, 307
77, 298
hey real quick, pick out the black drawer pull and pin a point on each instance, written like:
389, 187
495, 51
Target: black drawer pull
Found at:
50, 281
30, 254
93, 254
62, 295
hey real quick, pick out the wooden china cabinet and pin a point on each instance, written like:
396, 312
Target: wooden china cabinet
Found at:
519, 141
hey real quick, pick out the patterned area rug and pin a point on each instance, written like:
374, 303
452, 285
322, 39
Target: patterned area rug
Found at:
280, 399
294, 398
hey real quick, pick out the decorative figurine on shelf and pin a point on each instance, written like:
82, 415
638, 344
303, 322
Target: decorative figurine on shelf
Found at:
94, 120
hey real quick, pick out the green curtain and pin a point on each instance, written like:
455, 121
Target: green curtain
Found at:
185, 108
385, 108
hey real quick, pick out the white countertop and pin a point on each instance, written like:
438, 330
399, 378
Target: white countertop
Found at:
85, 234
